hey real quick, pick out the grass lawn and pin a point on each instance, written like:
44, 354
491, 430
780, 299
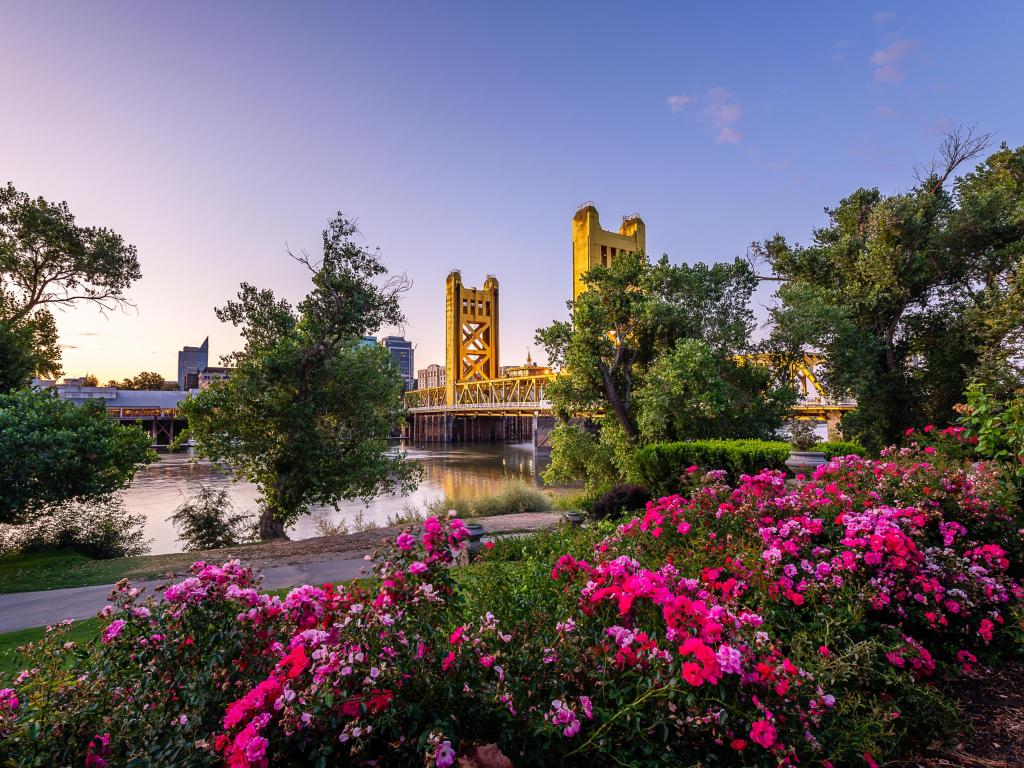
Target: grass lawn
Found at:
54, 570
10, 661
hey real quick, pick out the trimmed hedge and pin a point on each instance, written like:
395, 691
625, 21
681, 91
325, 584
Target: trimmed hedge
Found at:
659, 466
835, 448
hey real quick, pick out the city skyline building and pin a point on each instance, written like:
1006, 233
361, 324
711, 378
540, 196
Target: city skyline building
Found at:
191, 360
401, 351
210, 374
431, 376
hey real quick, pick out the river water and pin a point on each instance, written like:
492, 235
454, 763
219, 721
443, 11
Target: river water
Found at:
455, 471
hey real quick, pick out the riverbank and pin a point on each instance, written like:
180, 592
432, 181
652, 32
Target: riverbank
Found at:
465, 472
58, 570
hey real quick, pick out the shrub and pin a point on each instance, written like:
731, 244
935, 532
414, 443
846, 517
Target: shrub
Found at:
620, 499
54, 451
661, 465
996, 429
207, 520
761, 623
100, 528
515, 496
803, 435
833, 448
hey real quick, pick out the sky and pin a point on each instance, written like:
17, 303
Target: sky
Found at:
465, 135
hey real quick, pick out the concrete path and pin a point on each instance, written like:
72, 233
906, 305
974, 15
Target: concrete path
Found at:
22, 610
310, 561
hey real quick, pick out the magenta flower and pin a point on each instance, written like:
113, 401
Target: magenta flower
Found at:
113, 629
763, 733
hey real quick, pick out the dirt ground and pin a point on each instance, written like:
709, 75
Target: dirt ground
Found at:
993, 733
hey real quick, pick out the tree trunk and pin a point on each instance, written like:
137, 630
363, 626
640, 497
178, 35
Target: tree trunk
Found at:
615, 401
270, 528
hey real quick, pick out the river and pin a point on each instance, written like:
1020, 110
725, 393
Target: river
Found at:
455, 471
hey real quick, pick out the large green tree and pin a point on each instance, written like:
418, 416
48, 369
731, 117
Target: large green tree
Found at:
53, 451
911, 296
307, 411
46, 261
656, 348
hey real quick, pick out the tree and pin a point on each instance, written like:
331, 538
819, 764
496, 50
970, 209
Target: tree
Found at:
207, 520
695, 394
28, 349
307, 411
147, 380
648, 341
911, 296
90, 381
47, 261
52, 451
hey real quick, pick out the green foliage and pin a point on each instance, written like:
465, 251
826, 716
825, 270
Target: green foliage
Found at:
833, 448
998, 427
802, 435
578, 454
28, 348
147, 380
46, 261
911, 296
52, 451
307, 411
101, 528
693, 393
207, 520
654, 346
661, 465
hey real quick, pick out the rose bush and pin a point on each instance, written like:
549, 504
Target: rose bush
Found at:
767, 623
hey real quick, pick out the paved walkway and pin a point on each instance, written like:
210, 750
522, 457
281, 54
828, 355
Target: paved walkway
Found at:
22, 610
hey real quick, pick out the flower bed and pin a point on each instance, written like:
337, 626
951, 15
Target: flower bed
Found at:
768, 623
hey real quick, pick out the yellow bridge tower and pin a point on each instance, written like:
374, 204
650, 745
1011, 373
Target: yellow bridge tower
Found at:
596, 247
471, 332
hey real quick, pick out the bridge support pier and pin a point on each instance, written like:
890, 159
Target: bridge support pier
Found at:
832, 424
541, 428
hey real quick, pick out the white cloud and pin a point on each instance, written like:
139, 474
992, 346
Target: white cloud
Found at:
678, 103
721, 112
888, 61
883, 17
884, 111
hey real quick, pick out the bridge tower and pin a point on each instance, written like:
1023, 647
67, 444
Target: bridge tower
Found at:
593, 246
471, 332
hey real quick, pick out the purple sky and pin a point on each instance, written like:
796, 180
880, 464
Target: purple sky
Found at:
464, 135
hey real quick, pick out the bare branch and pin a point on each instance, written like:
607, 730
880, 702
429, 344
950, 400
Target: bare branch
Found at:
756, 259
956, 148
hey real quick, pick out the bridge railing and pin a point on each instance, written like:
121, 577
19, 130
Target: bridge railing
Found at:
528, 393
514, 393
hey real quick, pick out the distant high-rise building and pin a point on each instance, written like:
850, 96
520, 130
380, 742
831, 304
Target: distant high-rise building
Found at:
401, 354
191, 360
367, 341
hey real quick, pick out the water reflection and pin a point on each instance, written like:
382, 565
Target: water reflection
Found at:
466, 471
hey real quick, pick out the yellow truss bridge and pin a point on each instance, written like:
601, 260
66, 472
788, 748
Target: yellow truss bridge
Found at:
482, 401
